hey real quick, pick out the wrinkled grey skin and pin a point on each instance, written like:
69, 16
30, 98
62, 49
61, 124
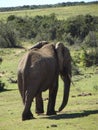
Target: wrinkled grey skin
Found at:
38, 71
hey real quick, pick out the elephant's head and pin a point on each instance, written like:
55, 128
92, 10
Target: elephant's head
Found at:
64, 61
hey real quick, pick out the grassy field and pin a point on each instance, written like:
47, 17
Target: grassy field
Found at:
61, 12
81, 112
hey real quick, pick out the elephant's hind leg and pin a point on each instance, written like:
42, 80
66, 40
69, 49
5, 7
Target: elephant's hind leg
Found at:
27, 115
39, 104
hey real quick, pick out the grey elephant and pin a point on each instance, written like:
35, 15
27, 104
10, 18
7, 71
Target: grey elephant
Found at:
39, 70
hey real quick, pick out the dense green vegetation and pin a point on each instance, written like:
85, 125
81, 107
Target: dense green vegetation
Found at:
75, 30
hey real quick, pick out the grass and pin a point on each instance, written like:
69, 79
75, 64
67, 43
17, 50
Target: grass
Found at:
61, 12
81, 113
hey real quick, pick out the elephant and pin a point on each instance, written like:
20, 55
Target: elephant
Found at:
39, 70
39, 45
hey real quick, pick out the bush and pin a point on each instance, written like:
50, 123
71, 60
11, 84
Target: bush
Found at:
81, 27
87, 57
70, 39
8, 36
74, 30
92, 57
91, 40
11, 17
39, 27
75, 68
95, 87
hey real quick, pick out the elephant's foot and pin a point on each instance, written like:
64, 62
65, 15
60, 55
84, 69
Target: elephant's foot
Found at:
39, 112
51, 112
27, 116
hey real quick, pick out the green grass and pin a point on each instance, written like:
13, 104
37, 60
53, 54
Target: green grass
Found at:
81, 113
61, 12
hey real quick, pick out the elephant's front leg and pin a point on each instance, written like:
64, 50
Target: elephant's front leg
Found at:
52, 99
39, 104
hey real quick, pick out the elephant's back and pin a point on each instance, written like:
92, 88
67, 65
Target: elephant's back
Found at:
39, 68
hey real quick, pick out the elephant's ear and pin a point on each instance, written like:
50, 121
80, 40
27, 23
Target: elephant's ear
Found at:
60, 54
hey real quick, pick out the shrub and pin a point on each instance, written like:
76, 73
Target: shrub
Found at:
92, 57
88, 57
70, 39
8, 36
90, 40
82, 27
75, 68
74, 30
95, 87
11, 17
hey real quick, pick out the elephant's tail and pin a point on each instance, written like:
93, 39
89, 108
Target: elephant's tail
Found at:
25, 76
24, 79
24, 90
21, 86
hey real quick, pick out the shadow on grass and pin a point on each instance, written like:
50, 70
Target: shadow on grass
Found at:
73, 115
5, 90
